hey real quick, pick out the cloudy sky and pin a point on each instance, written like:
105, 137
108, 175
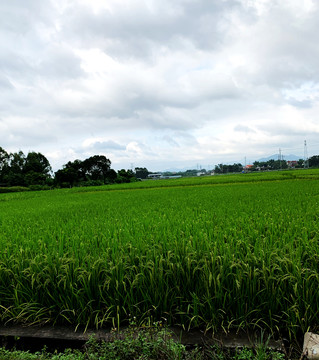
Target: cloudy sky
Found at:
159, 83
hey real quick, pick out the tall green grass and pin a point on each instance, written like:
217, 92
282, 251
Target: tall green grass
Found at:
237, 255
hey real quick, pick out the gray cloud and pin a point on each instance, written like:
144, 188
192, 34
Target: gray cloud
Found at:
286, 130
170, 140
59, 63
137, 28
106, 145
243, 128
18, 19
5, 83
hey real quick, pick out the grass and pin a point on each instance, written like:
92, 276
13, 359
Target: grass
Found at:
235, 251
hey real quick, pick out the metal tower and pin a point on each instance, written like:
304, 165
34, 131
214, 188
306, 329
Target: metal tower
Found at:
305, 162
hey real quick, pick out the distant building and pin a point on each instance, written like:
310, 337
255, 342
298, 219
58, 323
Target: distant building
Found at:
170, 176
154, 176
292, 163
248, 167
158, 176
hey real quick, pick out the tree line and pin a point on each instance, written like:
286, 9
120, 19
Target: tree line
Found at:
18, 169
268, 165
95, 170
34, 170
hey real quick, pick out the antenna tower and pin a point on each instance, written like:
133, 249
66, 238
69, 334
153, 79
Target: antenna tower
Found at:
305, 163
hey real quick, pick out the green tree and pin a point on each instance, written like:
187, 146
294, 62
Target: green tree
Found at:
111, 176
141, 173
38, 163
14, 175
66, 177
4, 164
313, 161
96, 167
77, 169
300, 163
37, 169
125, 176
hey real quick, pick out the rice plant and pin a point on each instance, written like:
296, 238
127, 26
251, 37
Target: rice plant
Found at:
239, 254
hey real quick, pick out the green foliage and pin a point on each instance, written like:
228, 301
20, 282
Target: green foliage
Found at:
25, 355
259, 353
140, 344
93, 171
244, 354
96, 167
39, 187
145, 344
141, 173
16, 169
314, 161
36, 169
125, 176
270, 165
92, 183
224, 169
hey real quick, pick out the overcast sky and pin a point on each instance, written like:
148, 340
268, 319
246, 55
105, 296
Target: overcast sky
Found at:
159, 83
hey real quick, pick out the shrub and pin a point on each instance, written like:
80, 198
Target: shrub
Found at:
10, 189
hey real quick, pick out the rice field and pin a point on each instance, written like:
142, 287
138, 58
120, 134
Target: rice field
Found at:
236, 251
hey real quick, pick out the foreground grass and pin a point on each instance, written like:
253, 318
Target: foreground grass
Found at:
233, 253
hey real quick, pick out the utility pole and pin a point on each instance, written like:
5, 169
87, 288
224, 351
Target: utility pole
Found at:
279, 158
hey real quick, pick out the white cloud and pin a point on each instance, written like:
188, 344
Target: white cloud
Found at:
159, 83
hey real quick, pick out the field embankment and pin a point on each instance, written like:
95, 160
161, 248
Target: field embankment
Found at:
241, 254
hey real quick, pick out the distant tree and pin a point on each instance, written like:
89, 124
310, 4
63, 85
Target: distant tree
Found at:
17, 161
4, 164
223, 168
283, 164
4, 158
235, 167
261, 165
125, 176
219, 168
38, 163
141, 173
313, 161
277, 164
300, 163
37, 169
77, 169
111, 176
14, 174
191, 172
66, 177
96, 167
272, 164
